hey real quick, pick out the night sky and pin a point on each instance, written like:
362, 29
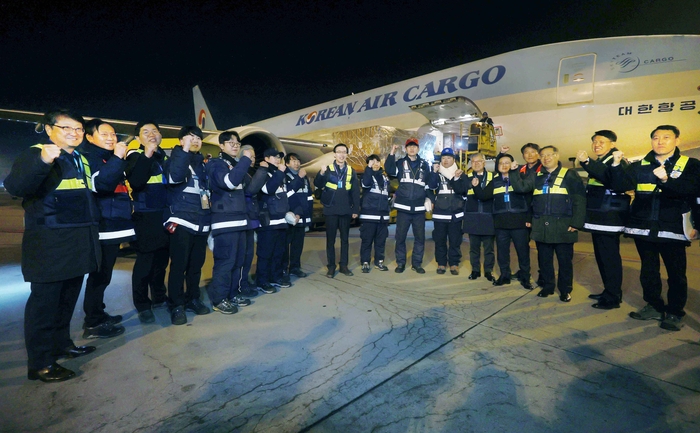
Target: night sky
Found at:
255, 60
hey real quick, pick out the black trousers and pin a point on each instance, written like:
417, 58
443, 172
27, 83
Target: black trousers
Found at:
270, 249
673, 254
404, 221
291, 259
97, 282
521, 242
149, 271
373, 233
335, 223
47, 320
445, 232
475, 243
187, 254
229, 255
565, 258
606, 247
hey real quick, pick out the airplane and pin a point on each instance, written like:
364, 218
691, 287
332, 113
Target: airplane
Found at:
556, 94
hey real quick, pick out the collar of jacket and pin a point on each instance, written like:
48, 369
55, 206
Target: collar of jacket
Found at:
92, 149
651, 157
226, 157
556, 170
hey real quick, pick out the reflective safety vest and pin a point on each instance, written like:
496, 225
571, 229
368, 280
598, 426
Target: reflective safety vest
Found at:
333, 178
551, 200
71, 203
154, 196
515, 202
449, 206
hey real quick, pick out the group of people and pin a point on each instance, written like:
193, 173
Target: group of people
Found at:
85, 194
649, 200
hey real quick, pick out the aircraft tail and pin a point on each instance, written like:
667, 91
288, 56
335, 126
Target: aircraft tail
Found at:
202, 115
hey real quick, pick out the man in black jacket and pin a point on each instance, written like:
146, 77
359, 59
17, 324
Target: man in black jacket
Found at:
301, 204
107, 159
664, 183
341, 203
606, 214
410, 200
144, 173
60, 242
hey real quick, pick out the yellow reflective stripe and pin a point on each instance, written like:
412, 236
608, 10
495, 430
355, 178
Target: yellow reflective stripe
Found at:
499, 190
158, 178
646, 187
556, 188
489, 178
71, 184
680, 164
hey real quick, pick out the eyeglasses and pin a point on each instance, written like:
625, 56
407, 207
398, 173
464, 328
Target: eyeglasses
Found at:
548, 155
69, 129
232, 143
341, 151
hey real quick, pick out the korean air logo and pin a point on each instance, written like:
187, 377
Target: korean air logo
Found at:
201, 119
624, 62
311, 117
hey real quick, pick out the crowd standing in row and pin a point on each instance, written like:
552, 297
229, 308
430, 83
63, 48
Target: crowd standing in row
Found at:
82, 201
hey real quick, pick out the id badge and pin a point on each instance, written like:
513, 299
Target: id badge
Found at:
340, 184
205, 199
506, 198
545, 189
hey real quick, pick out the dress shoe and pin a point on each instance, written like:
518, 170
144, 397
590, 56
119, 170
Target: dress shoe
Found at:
527, 284
297, 272
543, 293
345, 271
489, 276
178, 316
330, 273
400, 268
146, 316
75, 351
596, 297
454, 270
441, 270
197, 307
604, 304
52, 373
103, 330
112, 320
418, 269
474, 275
501, 281
566, 297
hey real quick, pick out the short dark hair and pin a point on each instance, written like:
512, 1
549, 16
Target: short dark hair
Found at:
607, 134
288, 157
504, 155
93, 125
530, 145
227, 135
372, 157
187, 130
51, 117
666, 128
554, 149
341, 144
137, 128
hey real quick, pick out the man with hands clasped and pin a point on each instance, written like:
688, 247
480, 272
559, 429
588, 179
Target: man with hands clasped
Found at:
664, 182
558, 212
374, 214
341, 203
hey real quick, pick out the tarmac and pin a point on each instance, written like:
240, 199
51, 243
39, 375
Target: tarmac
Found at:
377, 352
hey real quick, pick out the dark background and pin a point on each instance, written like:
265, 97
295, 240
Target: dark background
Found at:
255, 60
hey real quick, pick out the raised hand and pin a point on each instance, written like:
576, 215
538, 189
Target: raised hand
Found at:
49, 153
582, 156
120, 149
